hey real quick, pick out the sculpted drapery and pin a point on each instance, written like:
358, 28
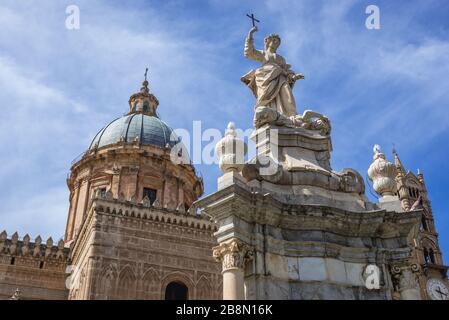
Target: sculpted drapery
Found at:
271, 83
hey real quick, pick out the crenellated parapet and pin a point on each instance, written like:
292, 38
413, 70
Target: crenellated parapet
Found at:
37, 254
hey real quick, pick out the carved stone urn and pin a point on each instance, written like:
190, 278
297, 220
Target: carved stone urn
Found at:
231, 151
382, 173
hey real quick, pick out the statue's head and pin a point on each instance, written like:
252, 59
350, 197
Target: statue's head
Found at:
272, 41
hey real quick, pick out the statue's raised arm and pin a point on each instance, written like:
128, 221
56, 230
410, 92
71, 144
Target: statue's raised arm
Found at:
250, 52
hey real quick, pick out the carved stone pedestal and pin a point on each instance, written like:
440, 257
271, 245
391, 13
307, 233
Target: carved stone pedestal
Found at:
311, 232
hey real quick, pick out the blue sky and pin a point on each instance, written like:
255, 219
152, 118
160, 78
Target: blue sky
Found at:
59, 86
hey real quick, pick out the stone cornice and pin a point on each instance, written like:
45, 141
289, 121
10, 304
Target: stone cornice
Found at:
185, 171
265, 209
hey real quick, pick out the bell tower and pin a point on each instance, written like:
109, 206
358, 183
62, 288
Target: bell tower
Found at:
408, 193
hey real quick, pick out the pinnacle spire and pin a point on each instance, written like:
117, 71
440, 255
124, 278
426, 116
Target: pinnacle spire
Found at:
400, 179
397, 162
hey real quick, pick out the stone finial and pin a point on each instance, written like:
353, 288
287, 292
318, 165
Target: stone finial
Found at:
16, 295
98, 194
109, 195
49, 242
38, 240
133, 199
181, 208
49, 245
26, 245
421, 177
3, 237
146, 201
382, 173
60, 251
156, 204
61, 244
13, 246
37, 246
231, 151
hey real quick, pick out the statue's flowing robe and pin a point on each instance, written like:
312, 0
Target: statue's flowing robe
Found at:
267, 81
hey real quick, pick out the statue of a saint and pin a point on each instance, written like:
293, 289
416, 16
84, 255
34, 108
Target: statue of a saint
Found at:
272, 83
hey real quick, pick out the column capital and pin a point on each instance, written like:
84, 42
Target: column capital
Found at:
233, 254
406, 277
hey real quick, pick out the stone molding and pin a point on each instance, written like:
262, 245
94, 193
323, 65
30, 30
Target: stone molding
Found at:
253, 206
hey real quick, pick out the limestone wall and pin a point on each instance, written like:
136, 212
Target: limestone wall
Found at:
133, 251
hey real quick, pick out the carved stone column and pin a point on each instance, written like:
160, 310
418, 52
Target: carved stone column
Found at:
233, 255
406, 281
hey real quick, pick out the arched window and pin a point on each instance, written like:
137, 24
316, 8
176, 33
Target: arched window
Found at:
429, 256
424, 224
426, 256
176, 291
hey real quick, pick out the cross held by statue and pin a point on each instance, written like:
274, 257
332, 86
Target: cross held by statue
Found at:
253, 19
146, 72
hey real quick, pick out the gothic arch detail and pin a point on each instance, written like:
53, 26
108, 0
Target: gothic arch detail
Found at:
150, 285
203, 288
126, 288
107, 283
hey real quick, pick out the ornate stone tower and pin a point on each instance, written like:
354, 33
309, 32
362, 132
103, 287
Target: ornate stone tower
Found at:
409, 193
404, 192
129, 224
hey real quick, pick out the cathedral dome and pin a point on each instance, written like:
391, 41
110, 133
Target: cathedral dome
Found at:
141, 125
135, 127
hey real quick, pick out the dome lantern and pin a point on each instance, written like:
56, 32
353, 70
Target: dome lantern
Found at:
143, 101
